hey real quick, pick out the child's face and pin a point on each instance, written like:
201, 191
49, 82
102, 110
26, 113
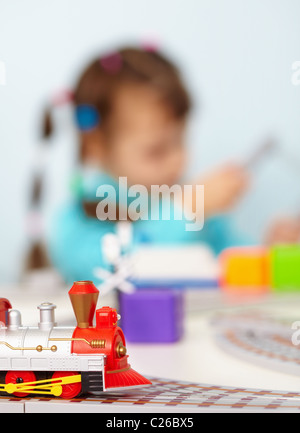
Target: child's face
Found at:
144, 141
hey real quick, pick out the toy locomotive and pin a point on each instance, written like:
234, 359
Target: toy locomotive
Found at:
65, 361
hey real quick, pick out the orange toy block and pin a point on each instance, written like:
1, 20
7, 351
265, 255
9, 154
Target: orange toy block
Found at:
246, 269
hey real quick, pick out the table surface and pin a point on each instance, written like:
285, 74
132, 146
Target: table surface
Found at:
196, 358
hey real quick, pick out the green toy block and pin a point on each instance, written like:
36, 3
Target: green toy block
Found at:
285, 264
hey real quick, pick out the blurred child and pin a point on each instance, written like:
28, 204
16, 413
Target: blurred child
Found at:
132, 110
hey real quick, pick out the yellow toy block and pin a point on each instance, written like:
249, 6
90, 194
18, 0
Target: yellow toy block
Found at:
246, 269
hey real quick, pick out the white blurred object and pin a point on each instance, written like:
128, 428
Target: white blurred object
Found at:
124, 233
114, 280
175, 262
112, 246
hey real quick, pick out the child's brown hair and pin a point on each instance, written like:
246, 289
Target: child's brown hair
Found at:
103, 77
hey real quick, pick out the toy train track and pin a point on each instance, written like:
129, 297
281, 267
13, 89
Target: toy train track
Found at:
265, 342
176, 396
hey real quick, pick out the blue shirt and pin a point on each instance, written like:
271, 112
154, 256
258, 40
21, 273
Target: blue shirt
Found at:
75, 239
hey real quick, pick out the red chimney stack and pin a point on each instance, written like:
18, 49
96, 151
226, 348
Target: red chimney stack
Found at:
84, 296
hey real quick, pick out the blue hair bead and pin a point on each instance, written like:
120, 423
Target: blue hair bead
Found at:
87, 117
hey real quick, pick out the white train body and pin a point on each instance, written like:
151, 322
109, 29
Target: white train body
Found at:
33, 339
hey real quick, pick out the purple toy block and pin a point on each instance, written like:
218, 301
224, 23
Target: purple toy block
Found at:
152, 316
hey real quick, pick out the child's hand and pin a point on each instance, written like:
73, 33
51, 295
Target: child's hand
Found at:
223, 188
284, 231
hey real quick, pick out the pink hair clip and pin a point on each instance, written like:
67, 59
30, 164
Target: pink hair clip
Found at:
150, 45
62, 97
112, 62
